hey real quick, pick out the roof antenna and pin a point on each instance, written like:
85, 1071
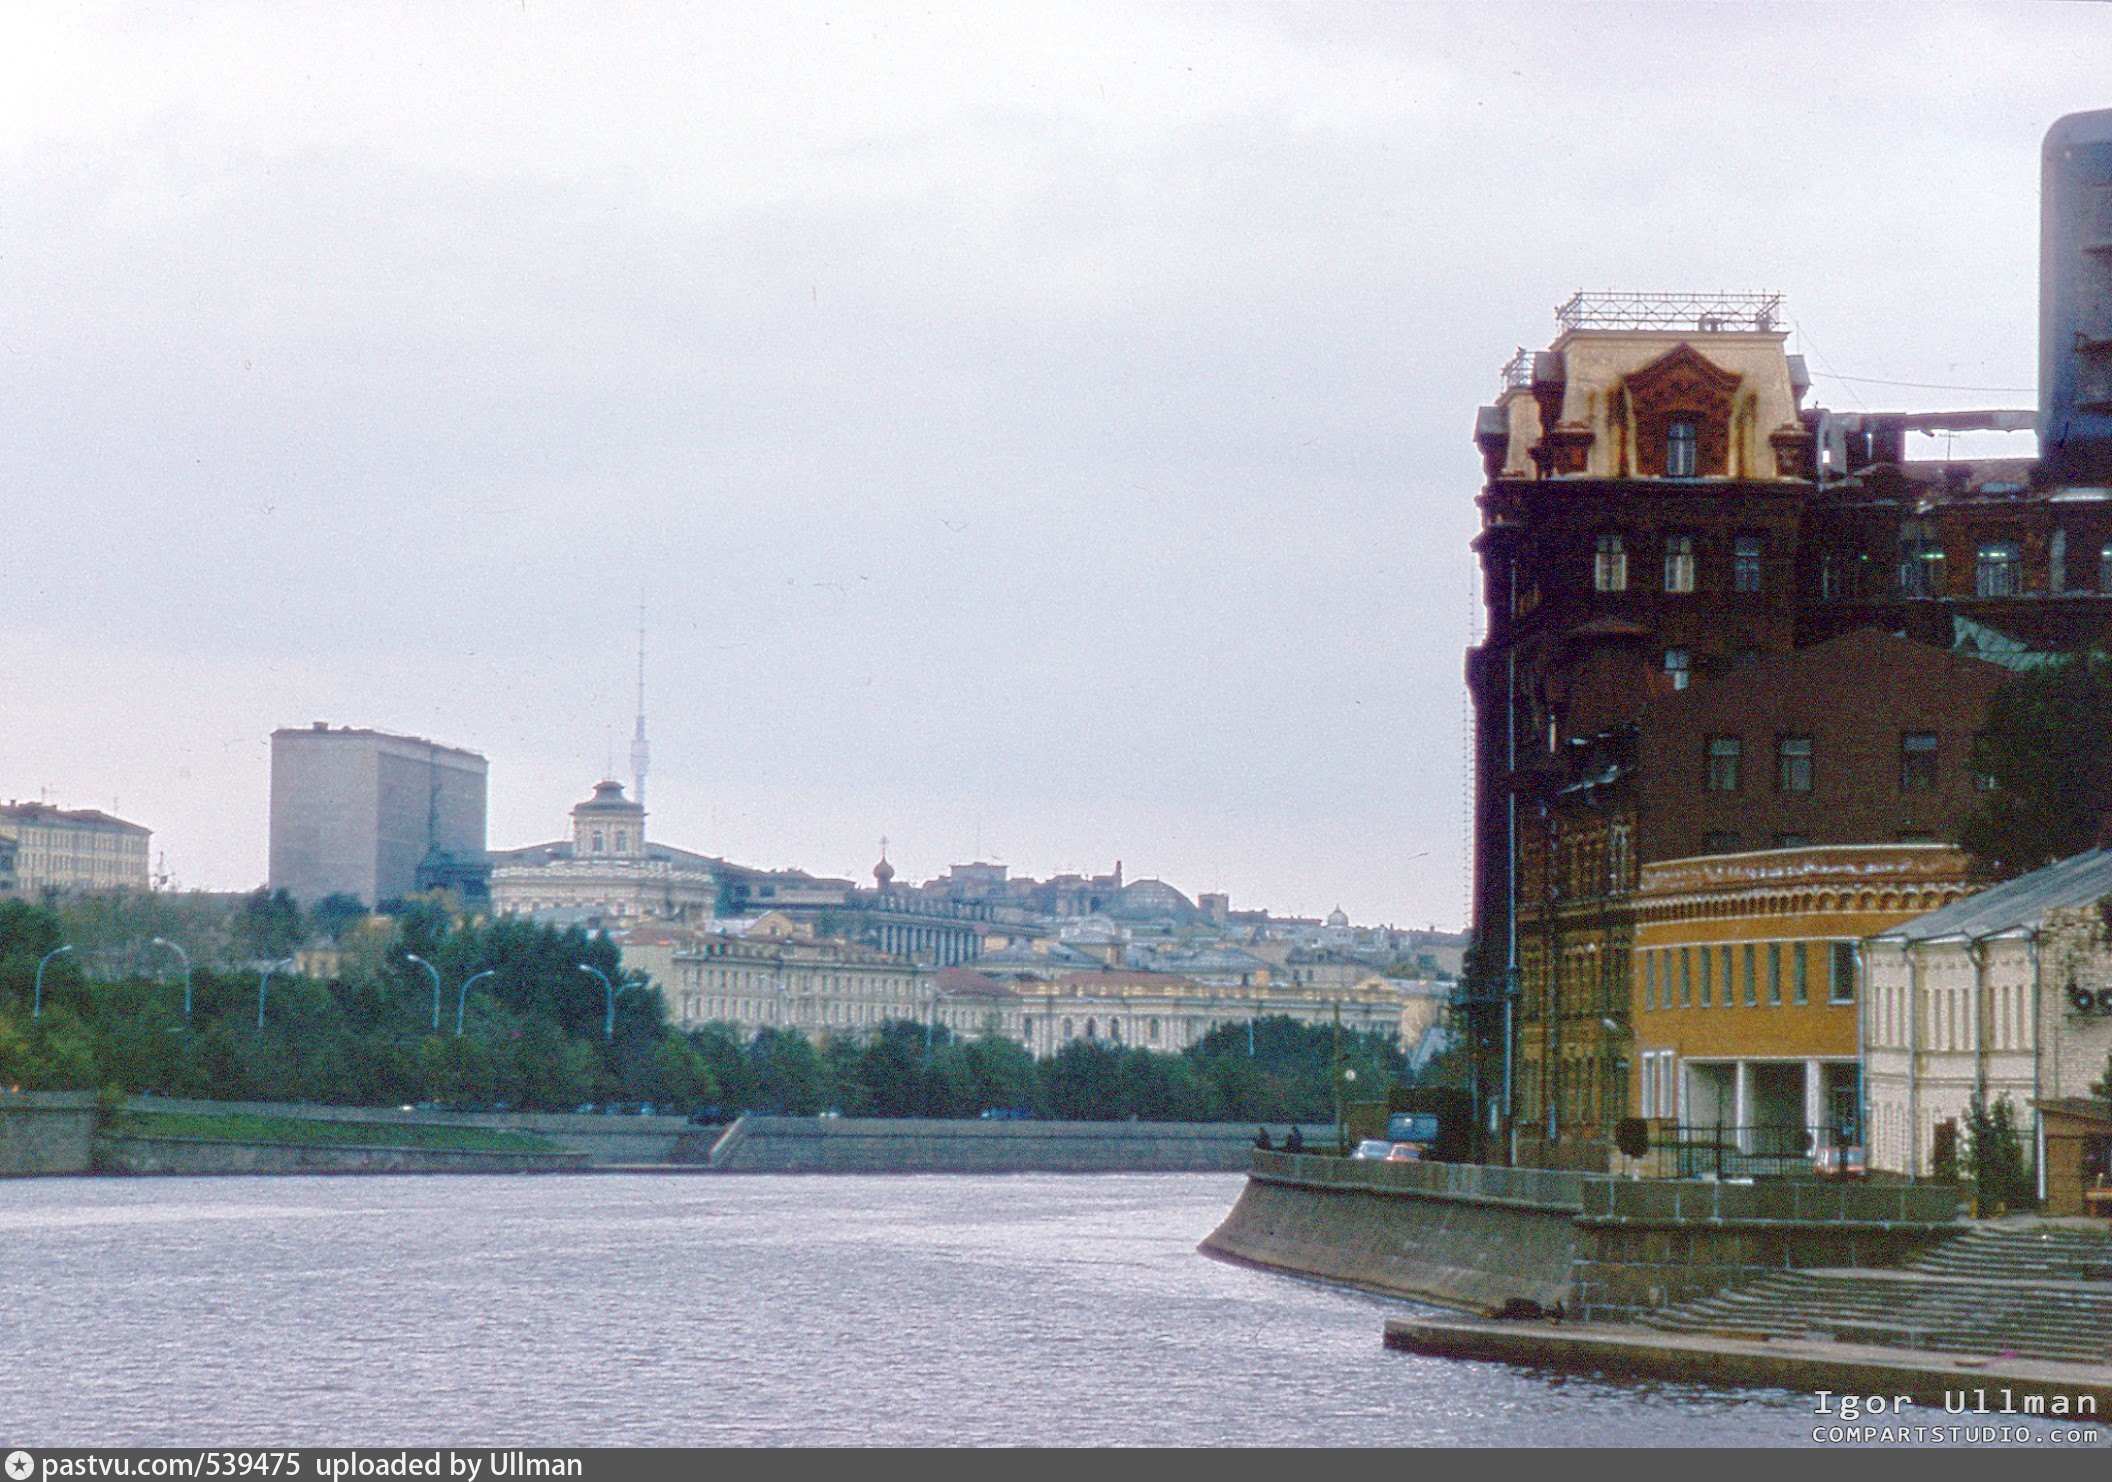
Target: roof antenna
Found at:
641, 753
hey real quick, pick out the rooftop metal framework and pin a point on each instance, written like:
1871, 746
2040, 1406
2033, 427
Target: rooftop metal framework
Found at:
1518, 370
1701, 312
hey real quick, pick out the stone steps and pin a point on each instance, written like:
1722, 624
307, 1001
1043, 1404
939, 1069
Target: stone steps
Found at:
2032, 1291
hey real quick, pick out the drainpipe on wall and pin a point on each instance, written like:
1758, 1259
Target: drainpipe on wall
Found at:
1977, 951
2038, 1121
1913, 956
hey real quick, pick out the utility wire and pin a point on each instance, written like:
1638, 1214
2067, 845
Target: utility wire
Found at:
1927, 385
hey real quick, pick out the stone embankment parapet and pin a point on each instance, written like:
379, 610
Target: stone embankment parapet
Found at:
1482, 1238
200, 1156
47, 1132
759, 1144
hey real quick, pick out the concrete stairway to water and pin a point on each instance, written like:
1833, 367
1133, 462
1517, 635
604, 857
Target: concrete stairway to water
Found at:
2036, 1289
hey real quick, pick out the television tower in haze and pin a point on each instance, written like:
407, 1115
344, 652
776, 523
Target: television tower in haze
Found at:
641, 753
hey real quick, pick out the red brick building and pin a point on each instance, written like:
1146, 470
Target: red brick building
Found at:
1677, 554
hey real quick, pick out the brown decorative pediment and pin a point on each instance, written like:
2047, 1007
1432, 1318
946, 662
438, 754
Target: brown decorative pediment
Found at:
1682, 385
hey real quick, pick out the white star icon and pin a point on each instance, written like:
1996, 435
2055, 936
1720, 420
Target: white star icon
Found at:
19, 1465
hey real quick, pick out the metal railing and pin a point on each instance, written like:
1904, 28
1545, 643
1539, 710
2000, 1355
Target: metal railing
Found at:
1704, 312
1723, 1150
1518, 370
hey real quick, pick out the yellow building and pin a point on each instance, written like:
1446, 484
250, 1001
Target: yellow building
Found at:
1744, 985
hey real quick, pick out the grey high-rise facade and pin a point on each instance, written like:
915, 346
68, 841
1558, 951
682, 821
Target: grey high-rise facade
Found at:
368, 814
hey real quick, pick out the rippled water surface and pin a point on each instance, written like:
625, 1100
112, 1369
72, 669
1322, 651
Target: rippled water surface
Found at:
720, 1310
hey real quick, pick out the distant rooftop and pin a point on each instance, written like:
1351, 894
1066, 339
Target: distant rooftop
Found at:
1704, 313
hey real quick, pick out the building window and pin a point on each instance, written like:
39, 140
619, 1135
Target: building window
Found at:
1774, 975
1800, 987
597, 844
1723, 756
1792, 841
1747, 563
623, 840
1829, 576
1917, 762
1840, 985
1649, 980
1679, 667
1679, 563
1729, 990
1682, 451
1686, 977
1720, 841
1708, 977
2057, 563
1793, 764
1609, 568
2104, 567
1920, 560
1999, 572
1752, 976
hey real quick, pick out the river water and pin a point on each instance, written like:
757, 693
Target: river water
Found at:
715, 1310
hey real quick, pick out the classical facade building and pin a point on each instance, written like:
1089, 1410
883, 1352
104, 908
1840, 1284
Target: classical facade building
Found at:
1743, 987
1687, 577
68, 849
2007, 993
374, 816
606, 873
772, 973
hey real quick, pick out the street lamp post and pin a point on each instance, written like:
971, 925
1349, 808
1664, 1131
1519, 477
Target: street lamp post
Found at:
177, 948
608, 1025
38, 1011
462, 998
435, 973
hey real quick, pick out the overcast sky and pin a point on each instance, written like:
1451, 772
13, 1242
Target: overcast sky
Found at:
1042, 433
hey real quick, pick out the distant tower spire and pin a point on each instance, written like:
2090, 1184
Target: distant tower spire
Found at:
641, 753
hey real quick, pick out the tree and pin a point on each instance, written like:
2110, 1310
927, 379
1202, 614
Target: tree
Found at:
330, 916
2045, 752
787, 1071
268, 925
1994, 1158
1086, 1082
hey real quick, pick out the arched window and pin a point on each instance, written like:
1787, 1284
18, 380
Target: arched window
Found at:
597, 845
1069, 1028
1609, 567
623, 841
1682, 451
1092, 1029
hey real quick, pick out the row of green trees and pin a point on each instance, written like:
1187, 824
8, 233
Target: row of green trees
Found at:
534, 1037
1284, 1071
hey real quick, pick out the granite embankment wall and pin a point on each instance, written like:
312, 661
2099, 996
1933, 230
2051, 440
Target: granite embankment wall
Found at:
47, 1132
601, 1138
1648, 1243
756, 1144
1607, 1249
183, 1155
1453, 1233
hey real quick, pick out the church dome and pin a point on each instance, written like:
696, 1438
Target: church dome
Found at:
883, 873
1336, 917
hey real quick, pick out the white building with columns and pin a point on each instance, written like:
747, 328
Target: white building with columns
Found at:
2004, 993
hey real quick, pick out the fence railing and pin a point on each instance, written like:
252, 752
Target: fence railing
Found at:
1759, 1150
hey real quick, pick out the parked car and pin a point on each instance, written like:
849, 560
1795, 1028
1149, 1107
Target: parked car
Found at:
1405, 1152
1378, 1149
